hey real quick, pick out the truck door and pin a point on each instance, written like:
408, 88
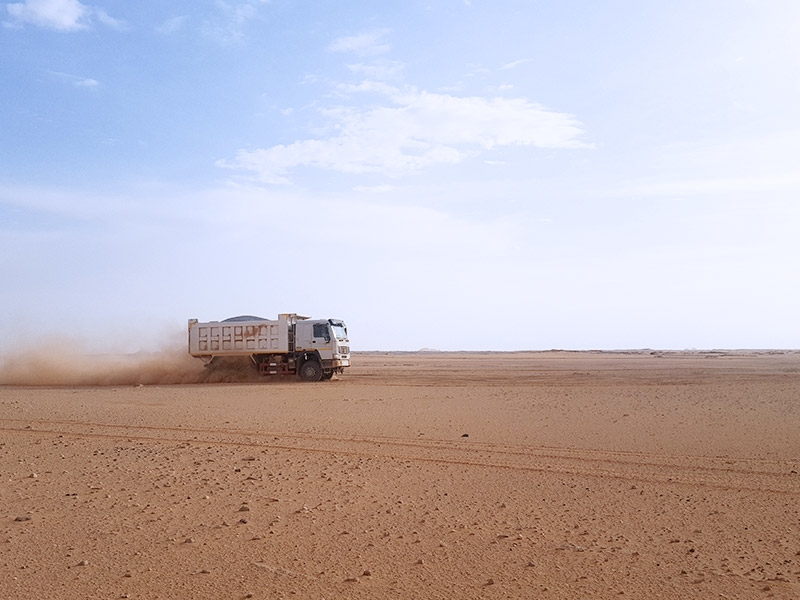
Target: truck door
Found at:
322, 337
321, 340
315, 336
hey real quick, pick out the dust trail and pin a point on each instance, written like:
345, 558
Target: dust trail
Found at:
69, 365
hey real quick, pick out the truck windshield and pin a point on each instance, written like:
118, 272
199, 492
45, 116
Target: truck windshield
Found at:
340, 331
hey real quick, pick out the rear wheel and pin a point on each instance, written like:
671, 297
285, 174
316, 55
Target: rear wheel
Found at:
310, 370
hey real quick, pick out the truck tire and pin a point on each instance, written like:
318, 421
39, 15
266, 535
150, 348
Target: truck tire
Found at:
310, 370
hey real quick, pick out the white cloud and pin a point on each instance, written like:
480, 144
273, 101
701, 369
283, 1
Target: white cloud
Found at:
109, 21
377, 70
62, 15
377, 87
364, 44
228, 28
516, 63
75, 80
413, 130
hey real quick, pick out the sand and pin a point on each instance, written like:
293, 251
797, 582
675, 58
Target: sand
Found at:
419, 475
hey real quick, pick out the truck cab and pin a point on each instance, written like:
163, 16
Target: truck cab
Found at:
326, 339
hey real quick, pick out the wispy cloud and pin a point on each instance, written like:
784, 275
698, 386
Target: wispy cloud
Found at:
374, 189
108, 20
389, 130
377, 70
227, 26
60, 15
413, 130
369, 43
710, 186
77, 81
516, 63
172, 25
757, 164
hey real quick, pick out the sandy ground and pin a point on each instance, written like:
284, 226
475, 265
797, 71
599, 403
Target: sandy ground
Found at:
520, 475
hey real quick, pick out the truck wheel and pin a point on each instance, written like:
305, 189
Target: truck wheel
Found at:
327, 374
311, 370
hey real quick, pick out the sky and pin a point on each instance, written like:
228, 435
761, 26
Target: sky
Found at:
447, 174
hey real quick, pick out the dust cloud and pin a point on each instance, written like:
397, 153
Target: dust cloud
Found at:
68, 365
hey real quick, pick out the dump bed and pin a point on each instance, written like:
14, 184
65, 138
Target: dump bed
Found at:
240, 336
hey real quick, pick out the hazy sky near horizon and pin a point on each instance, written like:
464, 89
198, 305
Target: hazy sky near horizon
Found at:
450, 174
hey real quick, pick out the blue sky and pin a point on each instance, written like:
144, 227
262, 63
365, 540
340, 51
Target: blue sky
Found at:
451, 174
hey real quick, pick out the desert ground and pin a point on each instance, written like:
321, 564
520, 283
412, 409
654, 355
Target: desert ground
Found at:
553, 475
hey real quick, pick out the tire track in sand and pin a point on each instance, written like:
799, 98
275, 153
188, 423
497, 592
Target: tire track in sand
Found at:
753, 474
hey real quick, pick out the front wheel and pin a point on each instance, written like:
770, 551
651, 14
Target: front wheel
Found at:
310, 370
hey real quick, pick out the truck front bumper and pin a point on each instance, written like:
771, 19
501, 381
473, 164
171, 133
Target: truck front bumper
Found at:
336, 363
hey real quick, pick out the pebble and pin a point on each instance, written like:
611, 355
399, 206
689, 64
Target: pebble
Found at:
244, 509
23, 518
83, 563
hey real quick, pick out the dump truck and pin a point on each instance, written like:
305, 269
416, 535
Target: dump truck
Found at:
313, 349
